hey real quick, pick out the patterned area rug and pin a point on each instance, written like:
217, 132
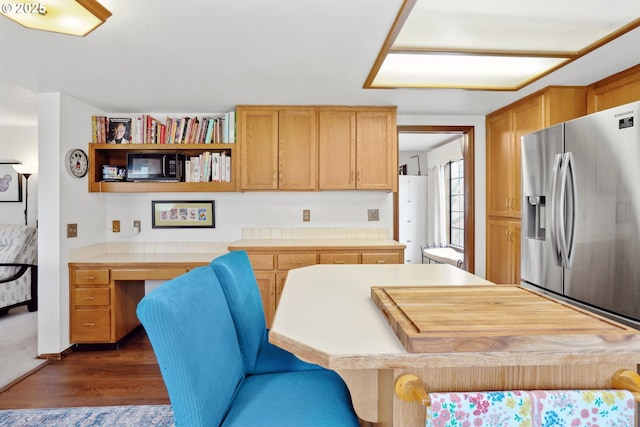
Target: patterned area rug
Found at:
116, 416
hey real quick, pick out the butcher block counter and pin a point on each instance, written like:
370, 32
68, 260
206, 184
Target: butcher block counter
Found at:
467, 335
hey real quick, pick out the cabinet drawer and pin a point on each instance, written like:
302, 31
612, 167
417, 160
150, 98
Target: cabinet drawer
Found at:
91, 296
291, 261
381, 258
91, 277
344, 258
91, 325
261, 261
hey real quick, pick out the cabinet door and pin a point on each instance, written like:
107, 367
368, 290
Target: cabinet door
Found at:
503, 251
499, 164
527, 118
337, 150
267, 286
258, 132
376, 150
297, 148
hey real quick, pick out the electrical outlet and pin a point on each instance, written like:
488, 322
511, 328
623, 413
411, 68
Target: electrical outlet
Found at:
115, 226
373, 215
72, 230
306, 215
136, 225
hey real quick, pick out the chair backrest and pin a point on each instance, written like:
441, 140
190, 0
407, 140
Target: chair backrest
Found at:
194, 339
245, 303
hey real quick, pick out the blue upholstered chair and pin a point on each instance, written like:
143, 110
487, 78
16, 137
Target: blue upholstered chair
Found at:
245, 303
193, 336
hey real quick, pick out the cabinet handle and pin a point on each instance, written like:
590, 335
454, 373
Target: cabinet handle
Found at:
88, 324
338, 261
352, 176
358, 176
90, 277
89, 298
381, 261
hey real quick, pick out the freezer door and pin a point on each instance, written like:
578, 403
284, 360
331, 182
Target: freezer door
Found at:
539, 258
606, 267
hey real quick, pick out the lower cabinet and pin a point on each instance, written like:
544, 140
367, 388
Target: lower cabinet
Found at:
103, 300
503, 251
270, 266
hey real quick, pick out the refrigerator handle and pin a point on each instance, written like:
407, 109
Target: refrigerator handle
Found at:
566, 225
557, 166
571, 238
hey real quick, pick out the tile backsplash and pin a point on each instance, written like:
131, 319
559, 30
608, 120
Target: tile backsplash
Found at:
315, 233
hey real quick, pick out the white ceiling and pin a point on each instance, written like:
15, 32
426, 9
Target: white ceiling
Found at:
161, 56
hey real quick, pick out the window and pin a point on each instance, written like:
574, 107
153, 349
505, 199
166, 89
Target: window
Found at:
456, 203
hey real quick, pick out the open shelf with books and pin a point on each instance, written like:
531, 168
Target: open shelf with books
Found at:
115, 154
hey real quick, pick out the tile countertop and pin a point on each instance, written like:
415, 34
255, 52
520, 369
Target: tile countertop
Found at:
317, 243
148, 253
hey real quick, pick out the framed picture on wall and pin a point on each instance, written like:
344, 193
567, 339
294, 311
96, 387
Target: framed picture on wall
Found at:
183, 214
10, 183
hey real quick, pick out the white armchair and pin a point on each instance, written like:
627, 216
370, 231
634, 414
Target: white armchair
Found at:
18, 267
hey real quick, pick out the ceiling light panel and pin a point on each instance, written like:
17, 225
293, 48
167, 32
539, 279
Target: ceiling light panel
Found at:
493, 44
460, 71
74, 17
507, 25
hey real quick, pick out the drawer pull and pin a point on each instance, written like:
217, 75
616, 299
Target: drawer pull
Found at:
338, 261
90, 277
89, 298
381, 261
88, 324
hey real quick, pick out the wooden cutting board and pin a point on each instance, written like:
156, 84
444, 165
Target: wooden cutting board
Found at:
437, 319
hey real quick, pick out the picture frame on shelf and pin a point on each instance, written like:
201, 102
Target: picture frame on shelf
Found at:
119, 131
183, 214
10, 183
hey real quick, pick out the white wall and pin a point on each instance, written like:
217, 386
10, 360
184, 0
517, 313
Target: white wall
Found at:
234, 211
404, 158
63, 124
478, 122
20, 143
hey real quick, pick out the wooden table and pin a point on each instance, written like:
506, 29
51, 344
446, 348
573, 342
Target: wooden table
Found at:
327, 316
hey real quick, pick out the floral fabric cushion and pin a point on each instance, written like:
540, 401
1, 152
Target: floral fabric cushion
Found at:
557, 408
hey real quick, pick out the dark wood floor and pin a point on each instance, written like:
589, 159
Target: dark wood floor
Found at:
127, 376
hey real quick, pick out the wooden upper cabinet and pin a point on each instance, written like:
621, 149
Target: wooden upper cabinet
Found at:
337, 150
318, 148
500, 164
258, 132
376, 150
297, 148
615, 90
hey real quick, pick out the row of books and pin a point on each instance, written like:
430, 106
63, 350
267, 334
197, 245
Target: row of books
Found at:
208, 167
146, 129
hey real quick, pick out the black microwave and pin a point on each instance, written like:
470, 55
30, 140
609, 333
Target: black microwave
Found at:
155, 167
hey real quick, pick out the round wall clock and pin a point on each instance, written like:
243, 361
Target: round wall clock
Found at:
77, 162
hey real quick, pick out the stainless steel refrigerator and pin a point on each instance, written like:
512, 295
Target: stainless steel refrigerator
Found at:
581, 212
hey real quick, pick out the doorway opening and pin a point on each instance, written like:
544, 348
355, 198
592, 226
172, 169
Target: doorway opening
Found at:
467, 141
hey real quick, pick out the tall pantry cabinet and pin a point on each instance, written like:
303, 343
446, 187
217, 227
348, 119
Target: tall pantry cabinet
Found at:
505, 128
